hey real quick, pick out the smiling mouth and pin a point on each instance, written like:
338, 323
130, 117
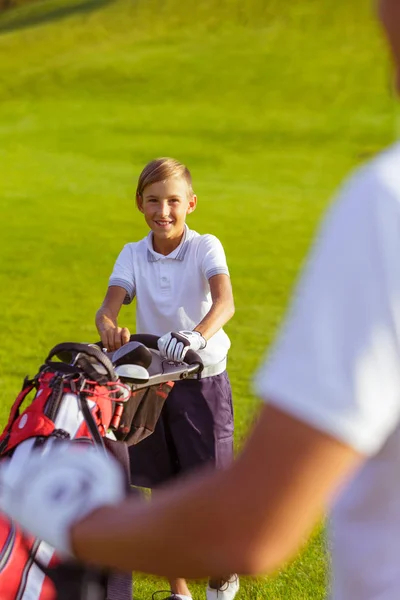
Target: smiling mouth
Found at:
163, 223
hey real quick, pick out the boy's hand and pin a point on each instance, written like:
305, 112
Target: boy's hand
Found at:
114, 337
49, 491
174, 345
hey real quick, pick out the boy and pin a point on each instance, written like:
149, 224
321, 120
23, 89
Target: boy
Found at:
183, 294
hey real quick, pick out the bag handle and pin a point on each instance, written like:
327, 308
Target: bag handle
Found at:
149, 340
66, 351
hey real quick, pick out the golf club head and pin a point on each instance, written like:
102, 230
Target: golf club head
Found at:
132, 353
132, 373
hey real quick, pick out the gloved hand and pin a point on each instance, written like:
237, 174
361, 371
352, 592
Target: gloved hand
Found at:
174, 345
49, 491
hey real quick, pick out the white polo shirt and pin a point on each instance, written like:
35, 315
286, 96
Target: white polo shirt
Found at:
172, 292
336, 366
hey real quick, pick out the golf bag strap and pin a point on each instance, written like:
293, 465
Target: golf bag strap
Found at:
14, 413
119, 585
90, 422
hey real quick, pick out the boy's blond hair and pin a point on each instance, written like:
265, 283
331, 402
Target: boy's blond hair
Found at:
161, 169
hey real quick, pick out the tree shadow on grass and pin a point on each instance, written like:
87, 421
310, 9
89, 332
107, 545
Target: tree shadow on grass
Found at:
46, 11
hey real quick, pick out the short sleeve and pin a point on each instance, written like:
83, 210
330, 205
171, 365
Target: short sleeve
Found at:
336, 361
212, 257
123, 273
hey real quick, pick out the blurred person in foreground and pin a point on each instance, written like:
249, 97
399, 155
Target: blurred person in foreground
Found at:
328, 437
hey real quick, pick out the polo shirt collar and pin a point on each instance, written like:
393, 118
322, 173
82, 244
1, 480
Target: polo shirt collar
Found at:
177, 254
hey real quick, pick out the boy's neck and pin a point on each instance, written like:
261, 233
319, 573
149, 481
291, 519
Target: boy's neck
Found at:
166, 246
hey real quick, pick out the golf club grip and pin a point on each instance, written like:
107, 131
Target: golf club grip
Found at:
149, 340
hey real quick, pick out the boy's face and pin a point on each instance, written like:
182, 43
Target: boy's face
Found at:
389, 13
165, 205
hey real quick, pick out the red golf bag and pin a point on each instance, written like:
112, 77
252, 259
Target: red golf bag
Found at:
77, 400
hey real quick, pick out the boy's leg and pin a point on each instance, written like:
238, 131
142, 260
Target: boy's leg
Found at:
199, 416
200, 419
153, 462
195, 428
179, 586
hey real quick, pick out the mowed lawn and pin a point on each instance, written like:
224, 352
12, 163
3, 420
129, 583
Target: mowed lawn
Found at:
269, 104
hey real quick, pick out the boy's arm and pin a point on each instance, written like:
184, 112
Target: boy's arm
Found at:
112, 336
247, 519
222, 309
174, 345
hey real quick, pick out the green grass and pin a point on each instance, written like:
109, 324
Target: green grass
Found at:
269, 103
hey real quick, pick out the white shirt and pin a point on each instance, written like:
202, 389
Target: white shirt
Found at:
336, 366
172, 292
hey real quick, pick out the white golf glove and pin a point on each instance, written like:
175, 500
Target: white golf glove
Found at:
174, 345
49, 491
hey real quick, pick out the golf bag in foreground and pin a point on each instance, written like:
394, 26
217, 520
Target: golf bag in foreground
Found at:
81, 394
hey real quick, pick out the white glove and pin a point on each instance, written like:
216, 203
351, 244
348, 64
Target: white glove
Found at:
174, 345
49, 491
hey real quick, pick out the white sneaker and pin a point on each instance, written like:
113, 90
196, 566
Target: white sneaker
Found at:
227, 591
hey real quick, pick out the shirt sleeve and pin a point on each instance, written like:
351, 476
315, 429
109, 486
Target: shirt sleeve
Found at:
212, 257
123, 273
336, 361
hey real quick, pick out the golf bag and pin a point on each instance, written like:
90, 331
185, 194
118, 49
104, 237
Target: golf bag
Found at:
75, 399
81, 394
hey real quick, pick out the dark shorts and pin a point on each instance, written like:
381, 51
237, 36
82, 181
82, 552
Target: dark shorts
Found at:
195, 428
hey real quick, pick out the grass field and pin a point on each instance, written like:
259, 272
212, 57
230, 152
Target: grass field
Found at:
269, 103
